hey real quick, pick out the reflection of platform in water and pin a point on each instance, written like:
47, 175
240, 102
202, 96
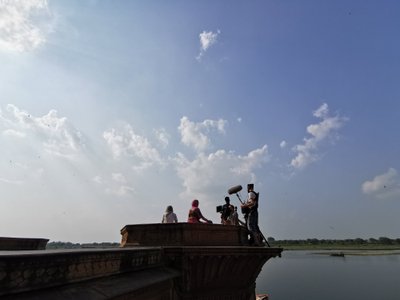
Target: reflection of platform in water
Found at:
158, 267
339, 254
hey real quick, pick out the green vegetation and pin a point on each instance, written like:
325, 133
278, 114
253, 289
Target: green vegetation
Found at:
382, 243
69, 245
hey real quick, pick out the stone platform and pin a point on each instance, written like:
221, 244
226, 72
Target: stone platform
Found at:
156, 262
13, 243
183, 234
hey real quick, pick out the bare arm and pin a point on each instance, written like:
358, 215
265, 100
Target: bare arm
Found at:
201, 216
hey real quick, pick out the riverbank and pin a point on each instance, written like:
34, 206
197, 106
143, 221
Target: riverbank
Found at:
346, 250
358, 253
338, 247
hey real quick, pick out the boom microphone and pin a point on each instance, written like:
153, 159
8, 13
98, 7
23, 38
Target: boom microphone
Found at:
234, 189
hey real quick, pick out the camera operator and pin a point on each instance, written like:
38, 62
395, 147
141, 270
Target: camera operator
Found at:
226, 212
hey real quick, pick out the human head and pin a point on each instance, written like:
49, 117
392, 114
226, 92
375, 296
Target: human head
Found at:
195, 203
169, 209
227, 200
250, 187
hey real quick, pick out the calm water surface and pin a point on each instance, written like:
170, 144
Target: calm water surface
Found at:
301, 275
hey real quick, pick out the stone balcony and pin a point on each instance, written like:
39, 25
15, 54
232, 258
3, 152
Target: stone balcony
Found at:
183, 234
155, 262
13, 243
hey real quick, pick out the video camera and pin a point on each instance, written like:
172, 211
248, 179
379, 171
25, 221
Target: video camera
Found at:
219, 208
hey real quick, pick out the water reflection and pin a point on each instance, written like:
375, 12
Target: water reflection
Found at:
301, 275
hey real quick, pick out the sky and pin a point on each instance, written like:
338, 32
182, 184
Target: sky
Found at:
112, 110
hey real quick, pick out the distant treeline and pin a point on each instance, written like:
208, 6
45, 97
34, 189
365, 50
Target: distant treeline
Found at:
69, 245
356, 241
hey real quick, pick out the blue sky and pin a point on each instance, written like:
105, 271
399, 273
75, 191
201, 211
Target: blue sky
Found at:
112, 110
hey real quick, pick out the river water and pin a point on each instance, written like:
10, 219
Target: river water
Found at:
302, 275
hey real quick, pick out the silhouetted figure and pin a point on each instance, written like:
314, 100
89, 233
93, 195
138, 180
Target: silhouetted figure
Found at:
195, 215
169, 216
227, 210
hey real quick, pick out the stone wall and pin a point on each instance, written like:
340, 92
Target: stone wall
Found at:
183, 234
12, 243
28, 271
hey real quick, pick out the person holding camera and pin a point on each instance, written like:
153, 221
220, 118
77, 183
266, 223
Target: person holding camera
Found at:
226, 212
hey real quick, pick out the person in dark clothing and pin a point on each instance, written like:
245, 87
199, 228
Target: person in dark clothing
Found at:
227, 210
252, 219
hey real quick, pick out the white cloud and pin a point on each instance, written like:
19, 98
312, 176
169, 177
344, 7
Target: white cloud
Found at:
10, 181
97, 179
125, 142
193, 134
282, 144
162, 136
24, 24
307, 152
208, 175
14, 133
57, 136
385, 185
118, 177
120, 191
207, 39
119, 188
116, 185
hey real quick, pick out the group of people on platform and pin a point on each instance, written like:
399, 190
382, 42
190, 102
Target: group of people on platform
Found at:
229, 215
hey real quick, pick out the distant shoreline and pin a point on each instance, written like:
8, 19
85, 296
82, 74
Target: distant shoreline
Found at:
344, 248
359, 253
347, 250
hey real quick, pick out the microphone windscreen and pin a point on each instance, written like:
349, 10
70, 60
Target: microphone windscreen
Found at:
234, 189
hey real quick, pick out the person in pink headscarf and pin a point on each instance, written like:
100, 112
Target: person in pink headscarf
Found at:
195, 215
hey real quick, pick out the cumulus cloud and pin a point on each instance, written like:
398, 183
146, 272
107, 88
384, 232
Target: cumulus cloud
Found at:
23, 24
385, 185
207, 39
162, 137
115, 185
209, 174
194, 134
120, 188
14, 133
282, 144
307, 152
56, 134
118, 177
125, 142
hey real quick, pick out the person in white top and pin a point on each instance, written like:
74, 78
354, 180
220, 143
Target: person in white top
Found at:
169, 216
